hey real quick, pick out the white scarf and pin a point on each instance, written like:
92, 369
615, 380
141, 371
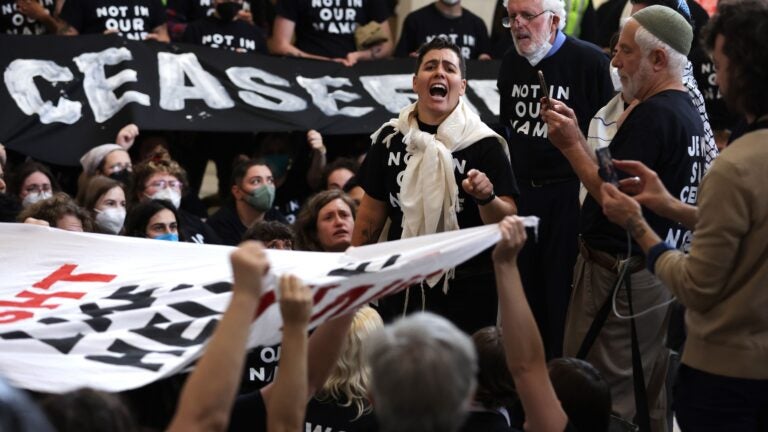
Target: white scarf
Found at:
429, 195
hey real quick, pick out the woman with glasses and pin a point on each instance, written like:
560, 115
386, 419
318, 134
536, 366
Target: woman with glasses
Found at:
165, 180
32, 182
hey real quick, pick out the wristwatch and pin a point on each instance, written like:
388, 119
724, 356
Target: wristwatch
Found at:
483, 202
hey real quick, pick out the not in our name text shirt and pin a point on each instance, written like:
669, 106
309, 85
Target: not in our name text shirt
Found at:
232, 35
14, 22
468, 31
132, 19
327, 27
577, 75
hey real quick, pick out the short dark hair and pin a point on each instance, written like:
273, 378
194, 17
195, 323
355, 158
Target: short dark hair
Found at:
583, 393
242, 167
495, 386
138, 217
340, 163
56, 207
439, 43
88, 410
305, 226
266, 231
743, 25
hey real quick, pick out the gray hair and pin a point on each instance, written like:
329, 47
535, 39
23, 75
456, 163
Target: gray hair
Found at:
556, 6
423, 372
676, 61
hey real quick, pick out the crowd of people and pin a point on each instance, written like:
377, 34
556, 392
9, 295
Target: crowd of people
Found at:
578, 328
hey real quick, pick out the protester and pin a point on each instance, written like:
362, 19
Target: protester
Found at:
224, 29
139, 20
665, 131
338, 173
437, 144
31, 182
326, 222
445, 18
325, 33
155, 219
422, 374
723, 380
253, 194
342, 403
59, 211
104, 198
165, 180
576, 71
274, 234
28, 17
109, 160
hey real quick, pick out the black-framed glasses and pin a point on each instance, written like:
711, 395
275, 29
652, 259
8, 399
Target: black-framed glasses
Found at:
525, 17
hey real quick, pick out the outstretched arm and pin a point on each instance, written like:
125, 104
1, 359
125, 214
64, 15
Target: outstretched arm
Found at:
522, 341
285, 409
209, 393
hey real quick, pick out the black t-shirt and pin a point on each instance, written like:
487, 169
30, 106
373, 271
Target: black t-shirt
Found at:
133, 19
486, 421
331, 416
226, 223
249, 414
231, 35
194, 230
468, 31
577, 75
382, 167
327, 27
260, 367
14, 22
664, 132
190, 10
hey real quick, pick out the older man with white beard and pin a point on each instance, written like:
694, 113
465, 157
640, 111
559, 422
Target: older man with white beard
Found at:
576, 72
664, 131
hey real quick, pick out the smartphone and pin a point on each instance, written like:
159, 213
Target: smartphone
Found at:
607, 171
544, 87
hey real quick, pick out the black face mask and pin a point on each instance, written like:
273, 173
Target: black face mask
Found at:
228, 10
124, 176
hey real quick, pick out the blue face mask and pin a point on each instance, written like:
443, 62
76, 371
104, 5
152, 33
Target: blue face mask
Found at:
168, 236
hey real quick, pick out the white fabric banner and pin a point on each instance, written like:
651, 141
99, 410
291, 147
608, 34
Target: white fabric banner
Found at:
116, 313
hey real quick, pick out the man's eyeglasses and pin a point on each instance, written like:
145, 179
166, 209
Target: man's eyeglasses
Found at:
162, 184
524, 17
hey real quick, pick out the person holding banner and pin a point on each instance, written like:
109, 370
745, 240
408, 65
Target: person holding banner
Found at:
412, 173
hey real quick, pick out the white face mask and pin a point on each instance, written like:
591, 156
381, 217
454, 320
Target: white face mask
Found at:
537, 55
111, 219
35, 197
168, 194
615, 78
450, 2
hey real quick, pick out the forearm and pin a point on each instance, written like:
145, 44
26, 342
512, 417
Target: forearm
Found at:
65, 29
681, 212
285, 409
209, 393
497, 209
585, 167
324, 349
288, 49
316, 167
644, 236
371, 216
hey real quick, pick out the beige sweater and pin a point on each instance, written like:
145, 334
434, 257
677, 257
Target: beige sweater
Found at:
724, 280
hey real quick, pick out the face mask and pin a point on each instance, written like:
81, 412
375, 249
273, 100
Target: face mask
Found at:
168, 194
261, 198
535, 57
615, 78
228, 10
167, 237
279, 163
110, 219
35, 197
123, 176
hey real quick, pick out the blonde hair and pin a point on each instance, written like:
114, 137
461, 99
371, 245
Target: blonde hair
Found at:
350, 379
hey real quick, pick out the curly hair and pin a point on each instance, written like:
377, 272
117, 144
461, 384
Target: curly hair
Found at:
56, 207
743, 25
143, 171
305, 226
350, 379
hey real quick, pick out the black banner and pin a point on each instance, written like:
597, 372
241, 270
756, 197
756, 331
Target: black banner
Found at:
63, 95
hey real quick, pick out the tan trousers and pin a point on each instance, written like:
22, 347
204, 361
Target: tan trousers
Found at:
611, 353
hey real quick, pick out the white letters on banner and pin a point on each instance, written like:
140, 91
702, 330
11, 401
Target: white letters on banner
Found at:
391, 91
116, 313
